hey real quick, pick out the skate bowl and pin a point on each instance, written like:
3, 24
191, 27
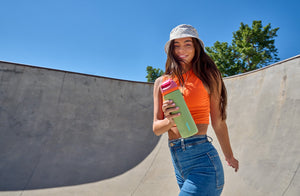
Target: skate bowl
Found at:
65, 133
62, 129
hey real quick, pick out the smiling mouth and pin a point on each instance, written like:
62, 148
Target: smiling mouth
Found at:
182, 57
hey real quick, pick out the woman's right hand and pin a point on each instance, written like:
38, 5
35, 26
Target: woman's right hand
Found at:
168, 107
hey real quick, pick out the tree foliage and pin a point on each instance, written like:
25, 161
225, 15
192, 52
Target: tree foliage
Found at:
251, 48
153, 73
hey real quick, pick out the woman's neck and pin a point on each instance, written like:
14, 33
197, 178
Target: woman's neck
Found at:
186, 68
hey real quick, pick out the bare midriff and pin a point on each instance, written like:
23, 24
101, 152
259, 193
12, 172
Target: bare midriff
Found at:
174, 133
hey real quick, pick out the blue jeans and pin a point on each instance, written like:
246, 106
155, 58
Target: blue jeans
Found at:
197, 165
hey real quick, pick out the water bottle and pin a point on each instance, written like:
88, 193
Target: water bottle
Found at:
185, 122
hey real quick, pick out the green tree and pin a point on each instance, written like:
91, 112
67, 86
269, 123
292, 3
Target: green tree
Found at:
153, 73
251, 48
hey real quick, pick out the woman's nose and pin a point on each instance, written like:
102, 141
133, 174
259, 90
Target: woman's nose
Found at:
180, 49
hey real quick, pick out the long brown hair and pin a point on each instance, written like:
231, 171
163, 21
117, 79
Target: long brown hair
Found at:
204, 68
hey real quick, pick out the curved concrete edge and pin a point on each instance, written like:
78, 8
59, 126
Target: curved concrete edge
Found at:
260, 69
263, 123
70, 72
62, 129
153, 176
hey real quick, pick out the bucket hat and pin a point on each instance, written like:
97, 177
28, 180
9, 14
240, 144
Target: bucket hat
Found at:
181, 31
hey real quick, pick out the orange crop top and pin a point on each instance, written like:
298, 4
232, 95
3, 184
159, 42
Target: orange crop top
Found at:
195, 96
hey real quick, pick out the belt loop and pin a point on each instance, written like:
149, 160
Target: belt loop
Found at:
182, 144
209, 138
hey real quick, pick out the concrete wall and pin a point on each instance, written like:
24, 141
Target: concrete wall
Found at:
264, 127
59, 128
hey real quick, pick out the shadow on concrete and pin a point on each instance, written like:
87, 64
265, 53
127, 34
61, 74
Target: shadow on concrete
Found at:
60, 128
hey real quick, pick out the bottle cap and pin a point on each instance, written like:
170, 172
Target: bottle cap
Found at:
168, 86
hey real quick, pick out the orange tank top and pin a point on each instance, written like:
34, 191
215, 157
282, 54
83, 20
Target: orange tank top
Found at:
195, 96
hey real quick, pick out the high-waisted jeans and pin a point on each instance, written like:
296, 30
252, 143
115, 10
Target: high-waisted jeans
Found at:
197, 165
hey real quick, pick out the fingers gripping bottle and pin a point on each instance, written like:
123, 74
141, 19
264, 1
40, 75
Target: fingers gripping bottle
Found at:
185, 122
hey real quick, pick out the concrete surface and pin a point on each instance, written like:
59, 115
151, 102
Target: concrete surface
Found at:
64, 133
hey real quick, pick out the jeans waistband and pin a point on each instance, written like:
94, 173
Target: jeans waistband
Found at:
181, 142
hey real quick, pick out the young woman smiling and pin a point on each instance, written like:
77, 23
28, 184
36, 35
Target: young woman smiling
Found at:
197, 165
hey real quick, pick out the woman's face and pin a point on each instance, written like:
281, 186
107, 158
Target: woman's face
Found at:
184, 50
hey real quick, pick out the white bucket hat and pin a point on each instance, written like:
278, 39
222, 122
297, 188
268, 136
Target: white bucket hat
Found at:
181, 31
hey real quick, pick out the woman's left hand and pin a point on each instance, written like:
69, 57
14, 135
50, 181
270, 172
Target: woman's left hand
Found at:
233, 163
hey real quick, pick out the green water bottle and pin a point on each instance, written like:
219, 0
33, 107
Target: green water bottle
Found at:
185, 122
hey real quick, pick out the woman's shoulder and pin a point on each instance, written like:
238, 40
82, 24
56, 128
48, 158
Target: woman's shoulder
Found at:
158, 82
161, 79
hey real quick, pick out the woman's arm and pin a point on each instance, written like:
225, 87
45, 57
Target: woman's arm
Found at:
161, 124
220, 127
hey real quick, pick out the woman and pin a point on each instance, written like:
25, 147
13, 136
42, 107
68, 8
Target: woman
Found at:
198, 168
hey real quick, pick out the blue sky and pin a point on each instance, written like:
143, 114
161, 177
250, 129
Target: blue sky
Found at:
119, 39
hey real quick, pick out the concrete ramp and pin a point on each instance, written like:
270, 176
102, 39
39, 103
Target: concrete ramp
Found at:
62, 129
264, 126
64, 133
